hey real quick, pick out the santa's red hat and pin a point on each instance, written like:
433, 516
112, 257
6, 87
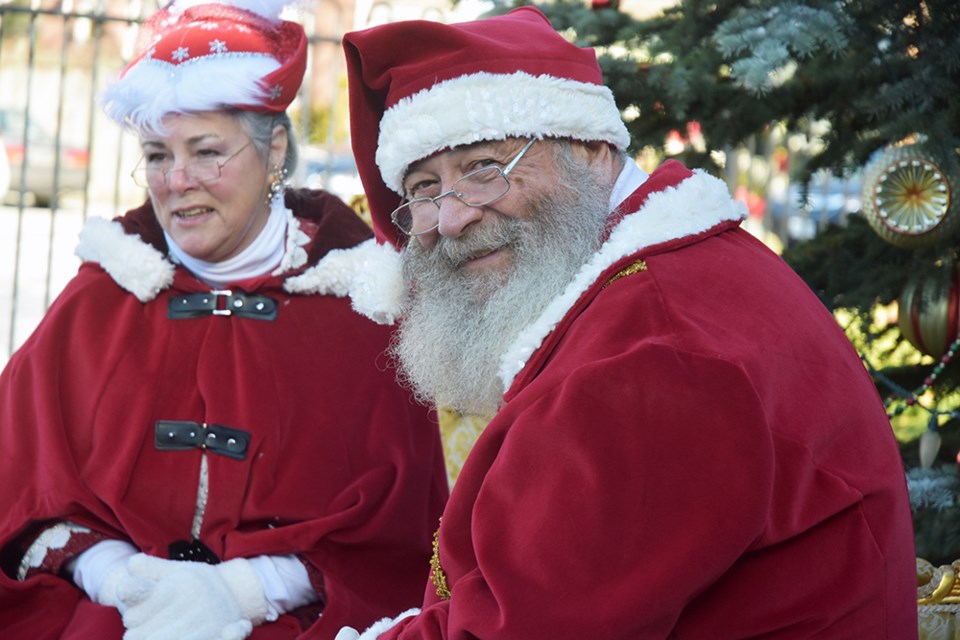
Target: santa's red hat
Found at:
207, 55
418, 87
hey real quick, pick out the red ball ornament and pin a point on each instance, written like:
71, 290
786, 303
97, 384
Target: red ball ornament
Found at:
929, 309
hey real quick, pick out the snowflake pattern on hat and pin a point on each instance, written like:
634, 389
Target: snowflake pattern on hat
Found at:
205, 56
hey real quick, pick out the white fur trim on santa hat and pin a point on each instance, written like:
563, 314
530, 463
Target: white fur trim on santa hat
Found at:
154, 88
134, 265
693, 206
370, 273
268, 9
487, 106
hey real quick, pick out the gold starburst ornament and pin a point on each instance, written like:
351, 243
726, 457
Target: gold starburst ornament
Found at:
909, 196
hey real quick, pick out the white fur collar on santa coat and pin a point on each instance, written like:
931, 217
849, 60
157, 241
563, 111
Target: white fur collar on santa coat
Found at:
141, 269
370, 273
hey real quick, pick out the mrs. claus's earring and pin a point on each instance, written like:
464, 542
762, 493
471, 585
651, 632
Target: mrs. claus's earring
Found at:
278, 185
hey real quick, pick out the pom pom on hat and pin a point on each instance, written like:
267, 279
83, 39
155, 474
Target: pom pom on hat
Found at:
207, 55
418, 87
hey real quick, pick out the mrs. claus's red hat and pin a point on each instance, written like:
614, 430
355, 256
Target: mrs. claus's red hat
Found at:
418, 87
204, 55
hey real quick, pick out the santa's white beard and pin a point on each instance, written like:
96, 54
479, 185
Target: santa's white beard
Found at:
458, 324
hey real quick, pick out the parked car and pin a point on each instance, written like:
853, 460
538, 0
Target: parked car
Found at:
43, 177
333, 172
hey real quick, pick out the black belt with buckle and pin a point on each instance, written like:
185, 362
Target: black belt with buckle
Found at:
179, 435
225, 302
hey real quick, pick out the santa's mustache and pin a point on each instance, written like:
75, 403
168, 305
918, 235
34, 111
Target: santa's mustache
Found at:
492, 234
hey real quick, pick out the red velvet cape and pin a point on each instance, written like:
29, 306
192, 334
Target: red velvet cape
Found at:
344, 469
694, 451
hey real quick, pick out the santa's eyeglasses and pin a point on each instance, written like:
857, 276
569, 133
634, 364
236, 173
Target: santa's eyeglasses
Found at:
478, 188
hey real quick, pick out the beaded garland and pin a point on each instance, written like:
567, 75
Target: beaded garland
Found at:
912, 398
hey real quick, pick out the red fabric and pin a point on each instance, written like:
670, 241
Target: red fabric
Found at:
344, 469
695, 452
208, 31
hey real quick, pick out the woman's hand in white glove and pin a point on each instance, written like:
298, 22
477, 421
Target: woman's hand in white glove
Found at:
101, 568
347, 633
177, 600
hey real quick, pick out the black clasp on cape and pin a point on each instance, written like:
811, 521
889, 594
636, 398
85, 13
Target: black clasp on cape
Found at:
179, 435
221, 303
192, 551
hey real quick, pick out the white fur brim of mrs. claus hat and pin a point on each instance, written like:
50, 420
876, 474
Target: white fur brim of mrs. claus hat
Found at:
207, 55
419, 87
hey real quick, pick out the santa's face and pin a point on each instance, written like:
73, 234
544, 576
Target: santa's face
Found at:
489, 271
526, 171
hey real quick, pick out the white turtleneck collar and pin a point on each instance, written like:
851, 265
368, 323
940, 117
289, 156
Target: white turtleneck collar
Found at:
629, 180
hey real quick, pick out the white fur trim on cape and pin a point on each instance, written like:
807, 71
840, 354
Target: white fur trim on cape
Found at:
370, 273
134, 265
693, 206
154, 88
294, 254
486, 106
143, 271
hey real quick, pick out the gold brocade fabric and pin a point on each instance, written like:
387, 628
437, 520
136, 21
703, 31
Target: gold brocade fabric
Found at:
437, 576
629, 270
938, 600
458, 433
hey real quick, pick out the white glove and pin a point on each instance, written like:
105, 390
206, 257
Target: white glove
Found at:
99, 570
286, 583
178, 600
347, 633
376, 629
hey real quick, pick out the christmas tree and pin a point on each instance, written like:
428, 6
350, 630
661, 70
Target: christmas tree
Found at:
877, 81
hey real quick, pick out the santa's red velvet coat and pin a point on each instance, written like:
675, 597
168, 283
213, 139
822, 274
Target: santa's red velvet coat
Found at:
343, 469
690, 448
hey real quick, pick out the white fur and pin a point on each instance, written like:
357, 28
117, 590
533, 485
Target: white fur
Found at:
385, 624
247, 588
695, 205
370, 273
134, 265
143, 271
154, 88
486, 106
269, 9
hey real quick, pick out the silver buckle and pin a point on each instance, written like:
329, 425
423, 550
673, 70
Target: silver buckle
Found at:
226, 293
